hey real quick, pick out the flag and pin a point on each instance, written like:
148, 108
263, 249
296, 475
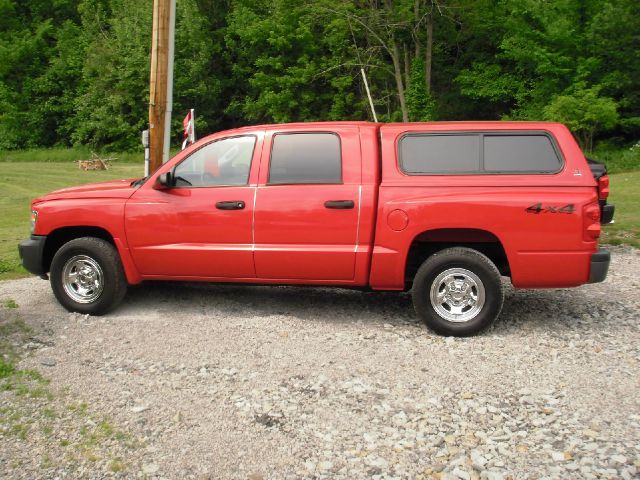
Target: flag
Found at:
189, 134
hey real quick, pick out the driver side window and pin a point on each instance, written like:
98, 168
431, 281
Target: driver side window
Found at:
223, 162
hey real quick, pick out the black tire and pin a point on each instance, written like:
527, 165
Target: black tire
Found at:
457, 262
104, 279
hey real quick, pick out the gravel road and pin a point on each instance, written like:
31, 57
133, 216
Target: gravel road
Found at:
223, 381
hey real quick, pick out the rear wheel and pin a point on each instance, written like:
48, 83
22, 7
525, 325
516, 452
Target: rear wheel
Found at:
87, 276
457, 291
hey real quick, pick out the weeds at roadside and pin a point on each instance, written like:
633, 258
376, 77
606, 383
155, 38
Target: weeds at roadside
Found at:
36, 414
116, 465
9, 303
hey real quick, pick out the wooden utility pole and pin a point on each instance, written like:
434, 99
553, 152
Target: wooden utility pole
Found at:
161, 82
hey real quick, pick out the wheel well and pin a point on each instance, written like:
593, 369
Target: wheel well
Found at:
429, 242
59, 237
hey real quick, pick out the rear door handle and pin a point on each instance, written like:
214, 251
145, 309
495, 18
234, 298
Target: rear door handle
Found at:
232, 205
339, 204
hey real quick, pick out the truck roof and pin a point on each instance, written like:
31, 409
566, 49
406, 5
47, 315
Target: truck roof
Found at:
466, 124
308, 124
479, 123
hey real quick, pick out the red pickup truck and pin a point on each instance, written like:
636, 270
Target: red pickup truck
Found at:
441, 209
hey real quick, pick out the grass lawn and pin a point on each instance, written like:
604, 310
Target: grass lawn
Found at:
21, 182
625, 195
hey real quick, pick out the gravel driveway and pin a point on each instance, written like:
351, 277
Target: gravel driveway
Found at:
223, 381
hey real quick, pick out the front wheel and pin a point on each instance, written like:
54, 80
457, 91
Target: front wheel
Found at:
457, 291
87, 276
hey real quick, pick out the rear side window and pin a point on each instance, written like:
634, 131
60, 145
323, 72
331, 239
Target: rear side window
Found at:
440, 153
519, 153
305, 158
478, 153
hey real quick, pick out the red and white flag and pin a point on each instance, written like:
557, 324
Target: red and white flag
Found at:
189, 134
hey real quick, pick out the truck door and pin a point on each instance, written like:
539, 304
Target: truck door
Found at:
307, 205
202, 227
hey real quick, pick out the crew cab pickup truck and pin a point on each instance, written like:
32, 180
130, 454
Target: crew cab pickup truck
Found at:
441, 209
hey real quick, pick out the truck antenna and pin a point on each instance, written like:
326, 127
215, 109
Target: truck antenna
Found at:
366, 86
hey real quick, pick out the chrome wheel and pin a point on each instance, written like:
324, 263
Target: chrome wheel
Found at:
457, 295
82, 279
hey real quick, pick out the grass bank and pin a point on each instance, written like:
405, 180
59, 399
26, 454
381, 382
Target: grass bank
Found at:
48, 155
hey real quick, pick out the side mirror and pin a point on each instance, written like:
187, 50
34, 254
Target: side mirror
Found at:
164, 181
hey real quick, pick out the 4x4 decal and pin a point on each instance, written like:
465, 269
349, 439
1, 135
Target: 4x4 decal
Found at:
539, 208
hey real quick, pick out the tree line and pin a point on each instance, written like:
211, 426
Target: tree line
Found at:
76, 72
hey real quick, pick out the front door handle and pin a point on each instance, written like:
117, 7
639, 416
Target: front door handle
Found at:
339, 204
232, 205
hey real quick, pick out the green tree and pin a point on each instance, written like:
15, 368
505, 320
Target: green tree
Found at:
111, 108
200, 73
613, 41
58, 87
112, 105
420, 104
584, 111
535, 57
286, 53
76, 72
29, 32
548, 51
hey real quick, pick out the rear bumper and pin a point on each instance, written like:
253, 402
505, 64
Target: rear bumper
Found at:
31, 251
599, 265
606, 213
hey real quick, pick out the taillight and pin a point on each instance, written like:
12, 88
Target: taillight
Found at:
591, 219
603, 187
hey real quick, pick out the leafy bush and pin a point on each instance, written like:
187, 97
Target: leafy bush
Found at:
619, 159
